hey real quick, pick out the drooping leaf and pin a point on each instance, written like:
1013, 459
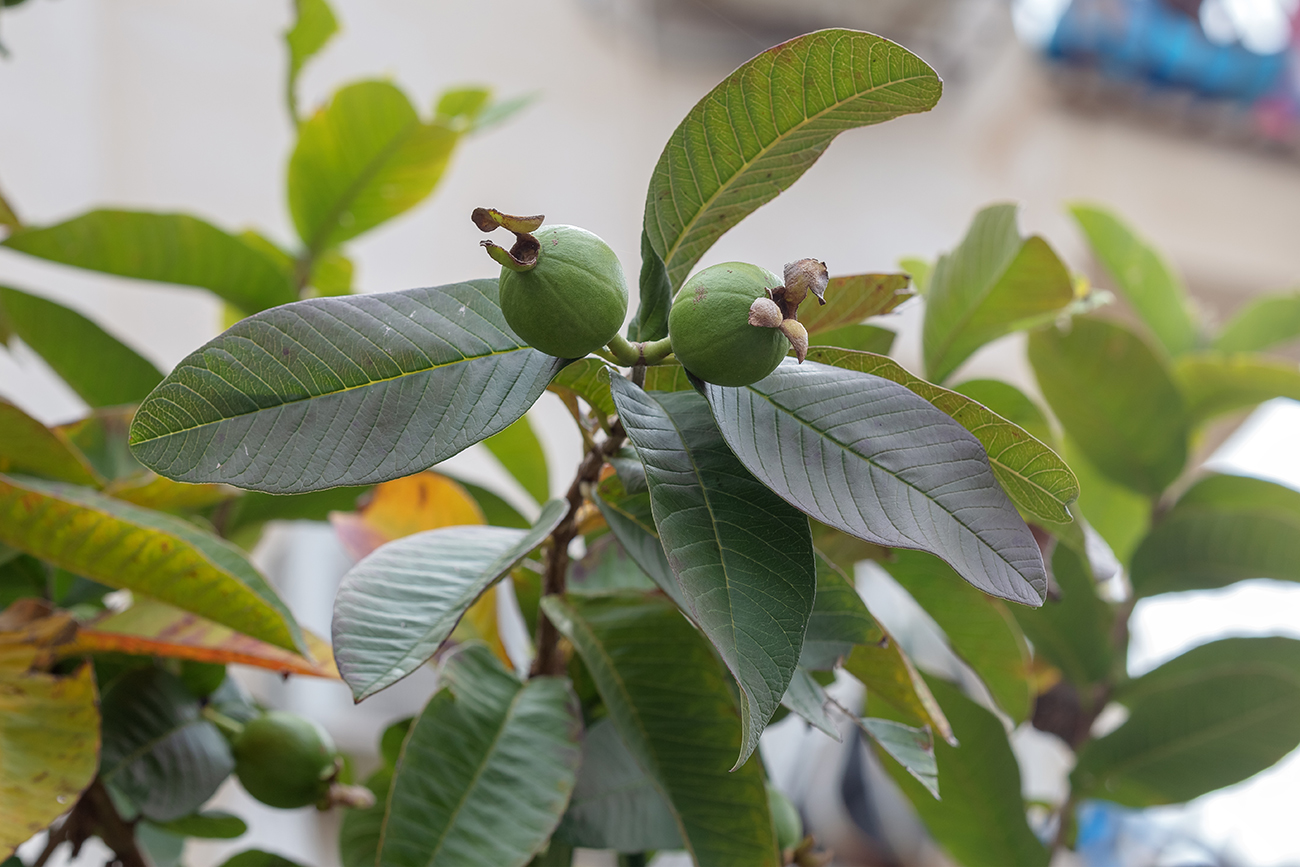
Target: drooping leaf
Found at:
396, 607
101, 369
889, 675
49, 736
520, 452
1263, 324
981, 818
485, 747
808, 699
1212, 717
912, 748
588, 378
981, 630
852, 299
1033, 475
839, 621
1142, 276
165, 248
158, 750
874, 459
759, 130
208, 825
1073, 631
153, 628
862, 338
404, 507
313, 26
342, 391
615, 805
673, 706
1011, 403
361, 160
1223, 529
631, 520
29, 447
742, 556
651, 320
993, 283
122, 545
1116, 400
1213, 383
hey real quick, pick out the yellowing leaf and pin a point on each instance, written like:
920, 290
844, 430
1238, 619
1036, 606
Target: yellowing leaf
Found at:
424, 501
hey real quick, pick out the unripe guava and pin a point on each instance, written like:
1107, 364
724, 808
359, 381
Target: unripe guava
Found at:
285, 761
573, 300
710, 327
789, 827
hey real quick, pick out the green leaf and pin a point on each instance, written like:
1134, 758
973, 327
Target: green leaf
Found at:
158, 749
122, 545
651, 320
484, 748
615, 805
981, 630
258, 858
588, 378
1224, 529
167, 248
1033, 476
742, 556
102, 437
1073, 630
808, 699
667, 376
313, 26
862, 338
520, 452
839, 622
29, 447
850, 300
501, 110
674, 707
1212, 717
213, 825
395, 608
342, 391
253, 509
606, 566
873, 459
1213, 384
1119, 515
1012, 404
362, 160
101, 369
920, 270
1116, 400
912, 748
496, 511
331, 275
889, 675
981, 819
631, 520
461, 105
1144, 279
361, 830
994, 283
765, 125
1262, 324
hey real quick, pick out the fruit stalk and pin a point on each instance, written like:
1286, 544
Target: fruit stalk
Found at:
629, 354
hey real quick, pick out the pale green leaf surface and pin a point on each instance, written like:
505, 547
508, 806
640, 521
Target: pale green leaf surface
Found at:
395, 608
742, 556
912, 748
631, 520
1012, 404
588, 378
1072, 632
486, 747
30, 448
862, 338
1262, 324
1213, 383
1118, 514
852, 299
806, 698
520, 453
651, 320
206, 825
889, 675
313, 26
759, 130
839, 622
673, 705
332, 392
166, 248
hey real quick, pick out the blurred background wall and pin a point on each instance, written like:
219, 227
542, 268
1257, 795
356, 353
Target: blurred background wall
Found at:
178, 105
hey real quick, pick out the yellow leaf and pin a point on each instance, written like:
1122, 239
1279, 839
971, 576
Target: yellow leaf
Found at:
424, 501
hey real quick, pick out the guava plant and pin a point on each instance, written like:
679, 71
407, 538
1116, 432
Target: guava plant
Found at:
747, 442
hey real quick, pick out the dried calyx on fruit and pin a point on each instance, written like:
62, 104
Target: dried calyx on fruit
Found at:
731, 324
562, 289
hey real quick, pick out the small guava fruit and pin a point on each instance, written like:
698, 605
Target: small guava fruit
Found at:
789, 827
285, 761
573, 300
711, 330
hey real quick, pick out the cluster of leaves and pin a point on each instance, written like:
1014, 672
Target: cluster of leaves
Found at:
116, 702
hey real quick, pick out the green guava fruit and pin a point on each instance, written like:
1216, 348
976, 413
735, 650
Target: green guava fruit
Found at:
789, 827
573, 300
285, 761
710, 330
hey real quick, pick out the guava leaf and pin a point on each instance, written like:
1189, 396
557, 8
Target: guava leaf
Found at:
486, 746
742, 556
30, 448
1262, 324
674, 707
912, 748
873, 459
588, 378
1073, 631
520, 452
314, 25
1213, 383
839, 621
765, 125
889, 675
851, 299
651, 320
806, 698
342, 391
631, 521
166, 248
